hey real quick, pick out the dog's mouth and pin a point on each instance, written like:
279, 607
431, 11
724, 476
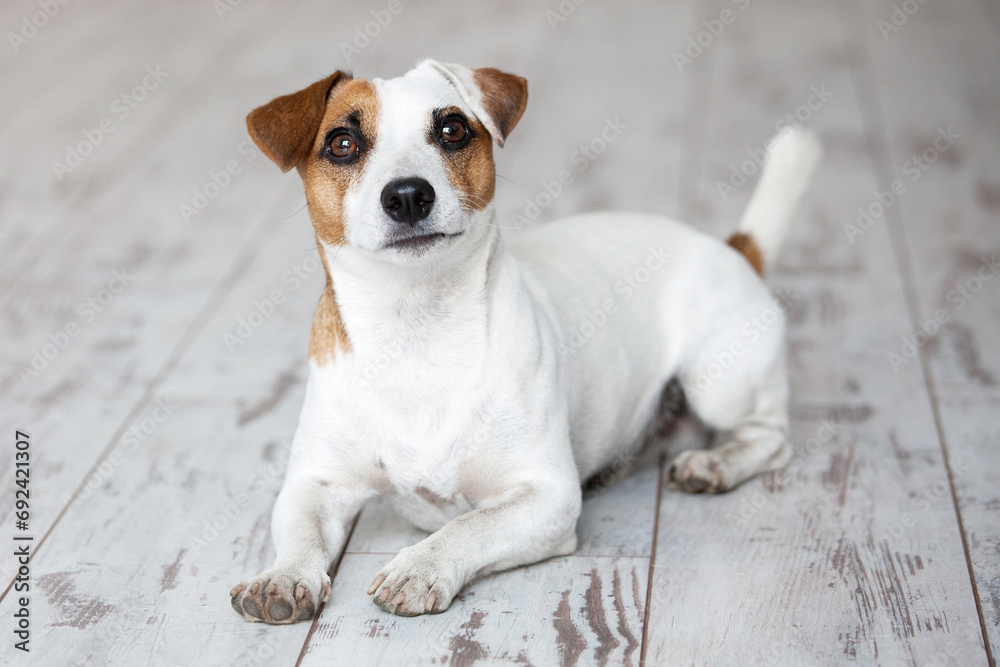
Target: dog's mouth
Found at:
420, 241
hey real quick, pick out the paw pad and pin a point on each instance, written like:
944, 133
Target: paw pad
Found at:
280, 597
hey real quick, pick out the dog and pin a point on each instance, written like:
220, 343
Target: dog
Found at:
466, 377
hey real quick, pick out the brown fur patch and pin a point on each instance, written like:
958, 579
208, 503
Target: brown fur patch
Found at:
291, 130
470, 169
745, 244
285, 127
327, 183
505, 96
328, 333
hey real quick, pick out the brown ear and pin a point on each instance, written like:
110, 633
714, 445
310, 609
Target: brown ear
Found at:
285, 127
496, 98
504, 97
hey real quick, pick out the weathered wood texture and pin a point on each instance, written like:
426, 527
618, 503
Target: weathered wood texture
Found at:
855, 553
947, 223
878, 546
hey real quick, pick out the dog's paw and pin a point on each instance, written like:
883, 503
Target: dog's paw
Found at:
281, 596
698, 471
414, 582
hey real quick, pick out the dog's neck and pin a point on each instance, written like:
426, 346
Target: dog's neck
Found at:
387, 306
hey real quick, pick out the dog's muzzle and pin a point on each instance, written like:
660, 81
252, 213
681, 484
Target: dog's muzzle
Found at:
408, 200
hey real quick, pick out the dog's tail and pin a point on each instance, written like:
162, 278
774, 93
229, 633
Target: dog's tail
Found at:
792, 155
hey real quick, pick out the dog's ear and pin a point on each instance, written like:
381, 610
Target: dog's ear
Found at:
496, 98
285, 127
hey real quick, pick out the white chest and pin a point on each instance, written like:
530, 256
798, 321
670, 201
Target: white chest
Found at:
422, 476
415, 432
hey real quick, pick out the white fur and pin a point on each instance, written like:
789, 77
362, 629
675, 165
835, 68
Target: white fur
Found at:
792, 156
488, 377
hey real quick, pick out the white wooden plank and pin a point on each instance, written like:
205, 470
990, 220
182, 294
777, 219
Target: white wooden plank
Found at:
572, 100
149, 555
63, 103
950, 211
949, 214
29, 51
566, 611
127, 584
972, 431
855, 553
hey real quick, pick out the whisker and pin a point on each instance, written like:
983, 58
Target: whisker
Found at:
295, 212
466, 195
509, 180
463, 196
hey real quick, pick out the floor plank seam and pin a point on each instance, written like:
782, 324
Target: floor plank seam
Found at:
573, 555
698, 91
872, 114
661, 468
322, 603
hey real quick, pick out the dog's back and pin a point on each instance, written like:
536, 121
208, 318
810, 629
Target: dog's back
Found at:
635, 297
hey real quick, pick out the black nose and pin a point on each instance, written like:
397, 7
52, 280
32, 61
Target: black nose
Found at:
408, 200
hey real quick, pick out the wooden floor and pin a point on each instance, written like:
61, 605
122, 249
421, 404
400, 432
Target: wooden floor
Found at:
158, 443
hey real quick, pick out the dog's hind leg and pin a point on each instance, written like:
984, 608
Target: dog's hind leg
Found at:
737, 383
749, 409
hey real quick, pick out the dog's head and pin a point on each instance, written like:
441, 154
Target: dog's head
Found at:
400, 167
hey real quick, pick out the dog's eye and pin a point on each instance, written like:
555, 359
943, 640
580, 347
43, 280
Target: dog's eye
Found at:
453, 130
342, 145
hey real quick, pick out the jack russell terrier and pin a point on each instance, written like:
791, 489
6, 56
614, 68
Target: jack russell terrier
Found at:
466, 377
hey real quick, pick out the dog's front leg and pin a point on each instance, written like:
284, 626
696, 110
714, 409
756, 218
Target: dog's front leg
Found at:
529, 523
309, 526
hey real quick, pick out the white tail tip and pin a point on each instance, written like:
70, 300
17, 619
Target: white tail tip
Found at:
792, 156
